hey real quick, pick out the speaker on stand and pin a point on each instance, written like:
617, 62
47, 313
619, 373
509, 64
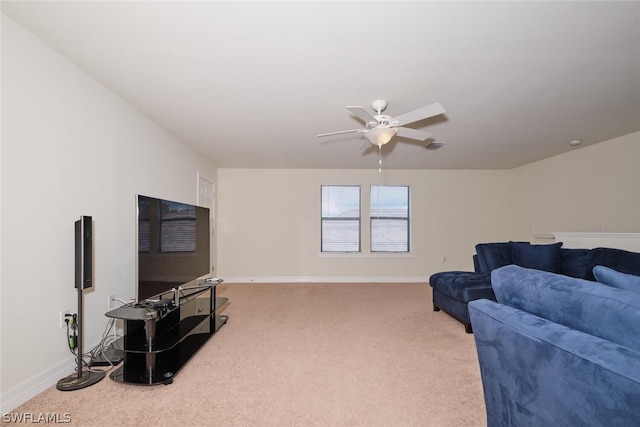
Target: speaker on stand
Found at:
84, 274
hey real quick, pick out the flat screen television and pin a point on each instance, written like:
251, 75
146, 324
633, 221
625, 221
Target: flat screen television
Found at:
172, 245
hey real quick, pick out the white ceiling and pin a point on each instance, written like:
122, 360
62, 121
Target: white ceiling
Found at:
250, 84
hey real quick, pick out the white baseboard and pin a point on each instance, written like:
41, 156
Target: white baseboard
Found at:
35, 385
324, 279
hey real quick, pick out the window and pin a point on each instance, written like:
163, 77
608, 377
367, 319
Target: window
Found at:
340, 218
389, 218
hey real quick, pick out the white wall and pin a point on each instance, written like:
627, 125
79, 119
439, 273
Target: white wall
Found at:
269, 223
595, 188
70, 147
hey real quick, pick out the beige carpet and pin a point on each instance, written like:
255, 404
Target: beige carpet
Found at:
305, 355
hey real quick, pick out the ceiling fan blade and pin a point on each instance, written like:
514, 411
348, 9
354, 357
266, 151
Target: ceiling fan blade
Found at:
362, 114
413, 134
419, 114
341, 131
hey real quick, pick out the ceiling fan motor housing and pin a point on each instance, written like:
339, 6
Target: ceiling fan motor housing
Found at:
382, 121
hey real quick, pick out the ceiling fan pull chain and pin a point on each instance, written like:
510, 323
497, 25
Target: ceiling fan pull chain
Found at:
379, 158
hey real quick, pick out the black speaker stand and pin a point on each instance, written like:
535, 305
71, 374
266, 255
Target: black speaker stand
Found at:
82, 378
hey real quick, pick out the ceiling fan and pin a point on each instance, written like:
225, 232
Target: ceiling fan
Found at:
379, 129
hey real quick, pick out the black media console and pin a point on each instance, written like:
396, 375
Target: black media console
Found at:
162, 333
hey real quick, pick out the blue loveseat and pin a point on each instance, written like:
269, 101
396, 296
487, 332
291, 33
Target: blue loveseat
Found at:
558, 351
453, 290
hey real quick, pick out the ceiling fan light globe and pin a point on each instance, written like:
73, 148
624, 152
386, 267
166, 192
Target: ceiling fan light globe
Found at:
380, 136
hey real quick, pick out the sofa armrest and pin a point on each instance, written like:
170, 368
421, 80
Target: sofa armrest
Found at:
536, 372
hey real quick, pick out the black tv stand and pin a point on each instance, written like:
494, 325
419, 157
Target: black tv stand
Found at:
162, 333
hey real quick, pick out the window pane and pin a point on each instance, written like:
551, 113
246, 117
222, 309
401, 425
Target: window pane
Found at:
389, 235
340, 235
389, 201
340, 201
340, 218
389, 218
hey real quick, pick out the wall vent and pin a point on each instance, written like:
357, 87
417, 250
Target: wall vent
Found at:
434, 145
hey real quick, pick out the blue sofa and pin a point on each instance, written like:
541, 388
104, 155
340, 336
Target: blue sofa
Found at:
558, 351
453, 290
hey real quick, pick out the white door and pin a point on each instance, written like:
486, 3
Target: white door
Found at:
206, 194
207, 199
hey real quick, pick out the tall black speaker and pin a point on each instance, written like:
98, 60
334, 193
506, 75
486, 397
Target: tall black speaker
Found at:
84, 252
84, 272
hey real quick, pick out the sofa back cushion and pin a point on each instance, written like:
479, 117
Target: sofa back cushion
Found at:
603, 311
540, 257
490, 256
611, 277
575, 262
493, 255
476, 264
617, 259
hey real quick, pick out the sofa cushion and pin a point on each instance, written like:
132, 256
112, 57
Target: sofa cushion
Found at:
618, 259
540, 257
493, 255
611, 277
604, 311
462, 285
575, 262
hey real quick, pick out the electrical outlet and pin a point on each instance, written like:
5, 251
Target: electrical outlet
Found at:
111, 302
62, 317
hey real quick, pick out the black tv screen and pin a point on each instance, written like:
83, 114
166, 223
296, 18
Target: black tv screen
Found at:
173, 245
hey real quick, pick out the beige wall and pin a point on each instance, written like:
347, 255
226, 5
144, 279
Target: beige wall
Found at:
595, 188
269, 223
69, 148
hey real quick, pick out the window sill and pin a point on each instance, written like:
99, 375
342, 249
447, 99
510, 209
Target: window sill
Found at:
366, 254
